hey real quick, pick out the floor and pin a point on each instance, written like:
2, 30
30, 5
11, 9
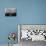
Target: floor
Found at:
30, 43
7, 45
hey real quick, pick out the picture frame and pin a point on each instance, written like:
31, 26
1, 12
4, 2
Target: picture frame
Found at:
10, 11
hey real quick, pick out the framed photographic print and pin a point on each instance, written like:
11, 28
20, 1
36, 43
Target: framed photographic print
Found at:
10, 11
32, 32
